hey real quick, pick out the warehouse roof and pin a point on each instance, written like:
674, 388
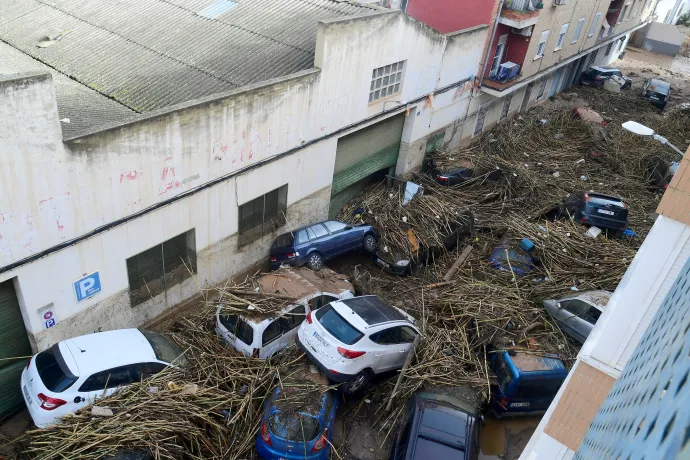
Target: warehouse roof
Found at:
113, 60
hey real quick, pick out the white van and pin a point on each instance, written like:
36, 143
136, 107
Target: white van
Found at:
270, 324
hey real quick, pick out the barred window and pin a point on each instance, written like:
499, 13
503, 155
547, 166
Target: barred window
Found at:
153, 271
262, 215
386, 81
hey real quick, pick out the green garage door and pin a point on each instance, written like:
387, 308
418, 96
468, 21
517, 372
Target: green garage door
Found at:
361, 154
13, 342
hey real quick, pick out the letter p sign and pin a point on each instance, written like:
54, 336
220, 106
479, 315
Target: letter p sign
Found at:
87, 286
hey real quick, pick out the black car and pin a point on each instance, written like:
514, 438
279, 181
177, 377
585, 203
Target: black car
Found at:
457, 176
596, 76
603, 211
437, 426
657, 92
318, 242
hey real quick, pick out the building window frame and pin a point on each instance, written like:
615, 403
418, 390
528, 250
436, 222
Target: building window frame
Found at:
155, 270
624, 12
261, 216
561, 36
505, 109
578, 29
609, 47
387, 81
542, 88
541, 47
593, 26
480, 120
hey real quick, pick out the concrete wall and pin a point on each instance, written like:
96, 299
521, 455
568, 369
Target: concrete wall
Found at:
246, 143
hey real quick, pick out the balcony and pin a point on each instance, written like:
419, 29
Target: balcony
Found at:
520, 13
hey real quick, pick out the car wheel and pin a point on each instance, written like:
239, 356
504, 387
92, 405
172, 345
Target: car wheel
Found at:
370, 243
315, 261
358, 383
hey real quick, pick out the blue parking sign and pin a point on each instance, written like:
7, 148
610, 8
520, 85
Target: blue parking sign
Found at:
87, 286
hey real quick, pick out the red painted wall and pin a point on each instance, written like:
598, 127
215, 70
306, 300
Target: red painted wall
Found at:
451, 15
516, 47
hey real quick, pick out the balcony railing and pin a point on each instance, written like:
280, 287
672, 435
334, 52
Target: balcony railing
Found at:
523, 5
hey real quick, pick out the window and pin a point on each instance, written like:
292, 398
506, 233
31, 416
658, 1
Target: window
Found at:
503, 374
632, 12
592, 315
164, 348
293, 318
542, 87
53, 370
434, 142
578, 30
595, 23
319, 301
479, 122
608, 49
318, 231
147, 370
153, 271
301, 237
272, 332
334, 226
386, 81
337, 326
542, 44
394, 335
498, 55
262, 215
506, 107
561, 36
237, 327
537, 388
575, 306
112, 378
621, 18
593, 57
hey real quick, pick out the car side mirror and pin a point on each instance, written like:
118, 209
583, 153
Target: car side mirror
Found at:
349, 227
78, 399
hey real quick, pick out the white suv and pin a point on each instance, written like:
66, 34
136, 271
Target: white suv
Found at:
75, 372
353, 339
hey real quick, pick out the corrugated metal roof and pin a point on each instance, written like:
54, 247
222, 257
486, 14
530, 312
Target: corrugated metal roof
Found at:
144, 55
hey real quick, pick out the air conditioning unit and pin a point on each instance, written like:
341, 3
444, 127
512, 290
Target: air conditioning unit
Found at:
525, 31
559, 2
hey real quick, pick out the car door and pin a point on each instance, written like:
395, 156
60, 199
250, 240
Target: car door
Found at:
391, 347
237, 332
342, 239
320, 240
271, 338
569, 317
290, 321
590, 318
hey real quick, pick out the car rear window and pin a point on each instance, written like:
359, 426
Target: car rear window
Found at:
294, 426
53, 370
237, 327
539, 387
604, 200
284, 241
594, 72
337, 326
165, 349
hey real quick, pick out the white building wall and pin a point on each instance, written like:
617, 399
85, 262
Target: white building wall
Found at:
252, 141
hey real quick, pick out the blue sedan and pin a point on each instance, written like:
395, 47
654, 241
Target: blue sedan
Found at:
296, 434
316, 243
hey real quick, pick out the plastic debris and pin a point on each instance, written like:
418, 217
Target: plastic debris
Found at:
629, 233
574, 288
583, 177
559, 136
556, 174
101, 411
593, 232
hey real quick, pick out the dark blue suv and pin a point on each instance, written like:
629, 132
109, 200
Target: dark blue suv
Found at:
316, 243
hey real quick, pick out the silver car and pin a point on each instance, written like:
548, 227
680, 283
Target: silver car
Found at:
578, 314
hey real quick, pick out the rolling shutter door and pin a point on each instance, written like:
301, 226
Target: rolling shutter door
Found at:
13, 342
367, 151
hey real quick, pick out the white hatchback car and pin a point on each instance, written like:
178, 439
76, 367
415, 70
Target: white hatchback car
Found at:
353, 339
75, 372
261, 335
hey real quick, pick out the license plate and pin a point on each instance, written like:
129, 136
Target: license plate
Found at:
26, 395
320, 339
604, 211
523, 404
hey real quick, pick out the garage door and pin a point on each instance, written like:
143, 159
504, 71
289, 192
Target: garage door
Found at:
14, 342
361, 154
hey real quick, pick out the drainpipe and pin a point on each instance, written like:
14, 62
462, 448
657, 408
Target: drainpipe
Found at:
491, 43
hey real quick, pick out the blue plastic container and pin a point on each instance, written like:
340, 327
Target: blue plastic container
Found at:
527, 245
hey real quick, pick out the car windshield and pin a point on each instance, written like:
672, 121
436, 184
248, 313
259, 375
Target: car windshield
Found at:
603, 200
337, 326
53, 370
594, 72
284, 241
164, 348
294, 426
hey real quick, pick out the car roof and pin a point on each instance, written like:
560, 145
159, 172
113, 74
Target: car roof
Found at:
603, 69
373, 310
440, 425
659, 85
527, 362
604, 197
598, 298
105, 350
313, 223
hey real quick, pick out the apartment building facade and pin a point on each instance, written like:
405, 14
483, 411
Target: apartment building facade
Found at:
659, 268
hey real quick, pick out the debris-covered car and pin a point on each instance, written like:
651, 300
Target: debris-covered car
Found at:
603, 211
517, 260
526, 382
439, 426
577, 315
660, 173
353, 339
298, 417
319, 242
73, 373
597, 76
656, 91
268, 324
